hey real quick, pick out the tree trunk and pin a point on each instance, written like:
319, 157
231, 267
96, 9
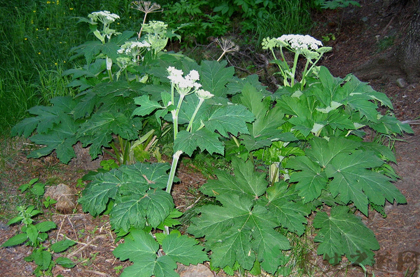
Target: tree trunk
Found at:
408, 52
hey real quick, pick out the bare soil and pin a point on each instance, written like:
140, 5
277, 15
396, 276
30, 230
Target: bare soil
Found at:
361, 34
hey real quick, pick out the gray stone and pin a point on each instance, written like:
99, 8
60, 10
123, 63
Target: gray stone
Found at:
401, 83
199, 270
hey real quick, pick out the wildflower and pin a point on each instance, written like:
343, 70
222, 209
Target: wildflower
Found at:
183, 85
175, 75
133, 49
103, 16
299, 42
203, 94
133, 46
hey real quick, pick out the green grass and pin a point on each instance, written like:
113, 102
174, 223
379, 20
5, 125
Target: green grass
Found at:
35, 40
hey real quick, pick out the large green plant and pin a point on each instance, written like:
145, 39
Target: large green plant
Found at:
312, 131
312, 125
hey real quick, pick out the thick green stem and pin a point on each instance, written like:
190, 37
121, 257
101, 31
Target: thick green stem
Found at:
292, 81
285, 82
304, 75
175, 114
194, 114
175, 160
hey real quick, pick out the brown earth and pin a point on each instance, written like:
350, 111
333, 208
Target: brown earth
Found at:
361, 34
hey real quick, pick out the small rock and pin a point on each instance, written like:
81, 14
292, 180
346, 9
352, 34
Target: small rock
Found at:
65, 197
4, 226
199, 270
401, 83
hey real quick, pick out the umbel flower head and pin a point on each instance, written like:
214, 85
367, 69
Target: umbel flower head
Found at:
103, 16
133, 48
183, 84
299, 42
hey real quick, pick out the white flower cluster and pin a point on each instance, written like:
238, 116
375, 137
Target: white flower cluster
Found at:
204, 94
175, 75
299, 42
103, 16
185, 84
133, 48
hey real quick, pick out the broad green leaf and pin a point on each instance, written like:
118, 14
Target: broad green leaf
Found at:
152, 175
348, 172
123, 37
45, 226
378, 187
310, 177
32, 233
61, 139
235, 246
65, 262
133, 210
264, 129
42, 258
98, 193
183, 249
360, 102
62, 245
343, 233
15, 219
381, 150
165, 267
97, 131
91, 49
171, 220
214, 76
86, 105
147, 106
245, 181
139, 246
323, 151
287, 207
15, 240
390, 125
326, 90
237, 230
47, 117
203, 138
137, 191
141, 249
25, 127
229, 119
145, 268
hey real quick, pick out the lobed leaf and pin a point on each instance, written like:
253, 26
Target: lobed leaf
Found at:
183, 249
246, 181
343, 233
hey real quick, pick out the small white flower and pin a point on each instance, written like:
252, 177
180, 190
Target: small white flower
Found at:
193, 75
175, 75
204, 94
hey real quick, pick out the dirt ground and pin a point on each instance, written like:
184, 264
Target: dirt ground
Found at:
357, 35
